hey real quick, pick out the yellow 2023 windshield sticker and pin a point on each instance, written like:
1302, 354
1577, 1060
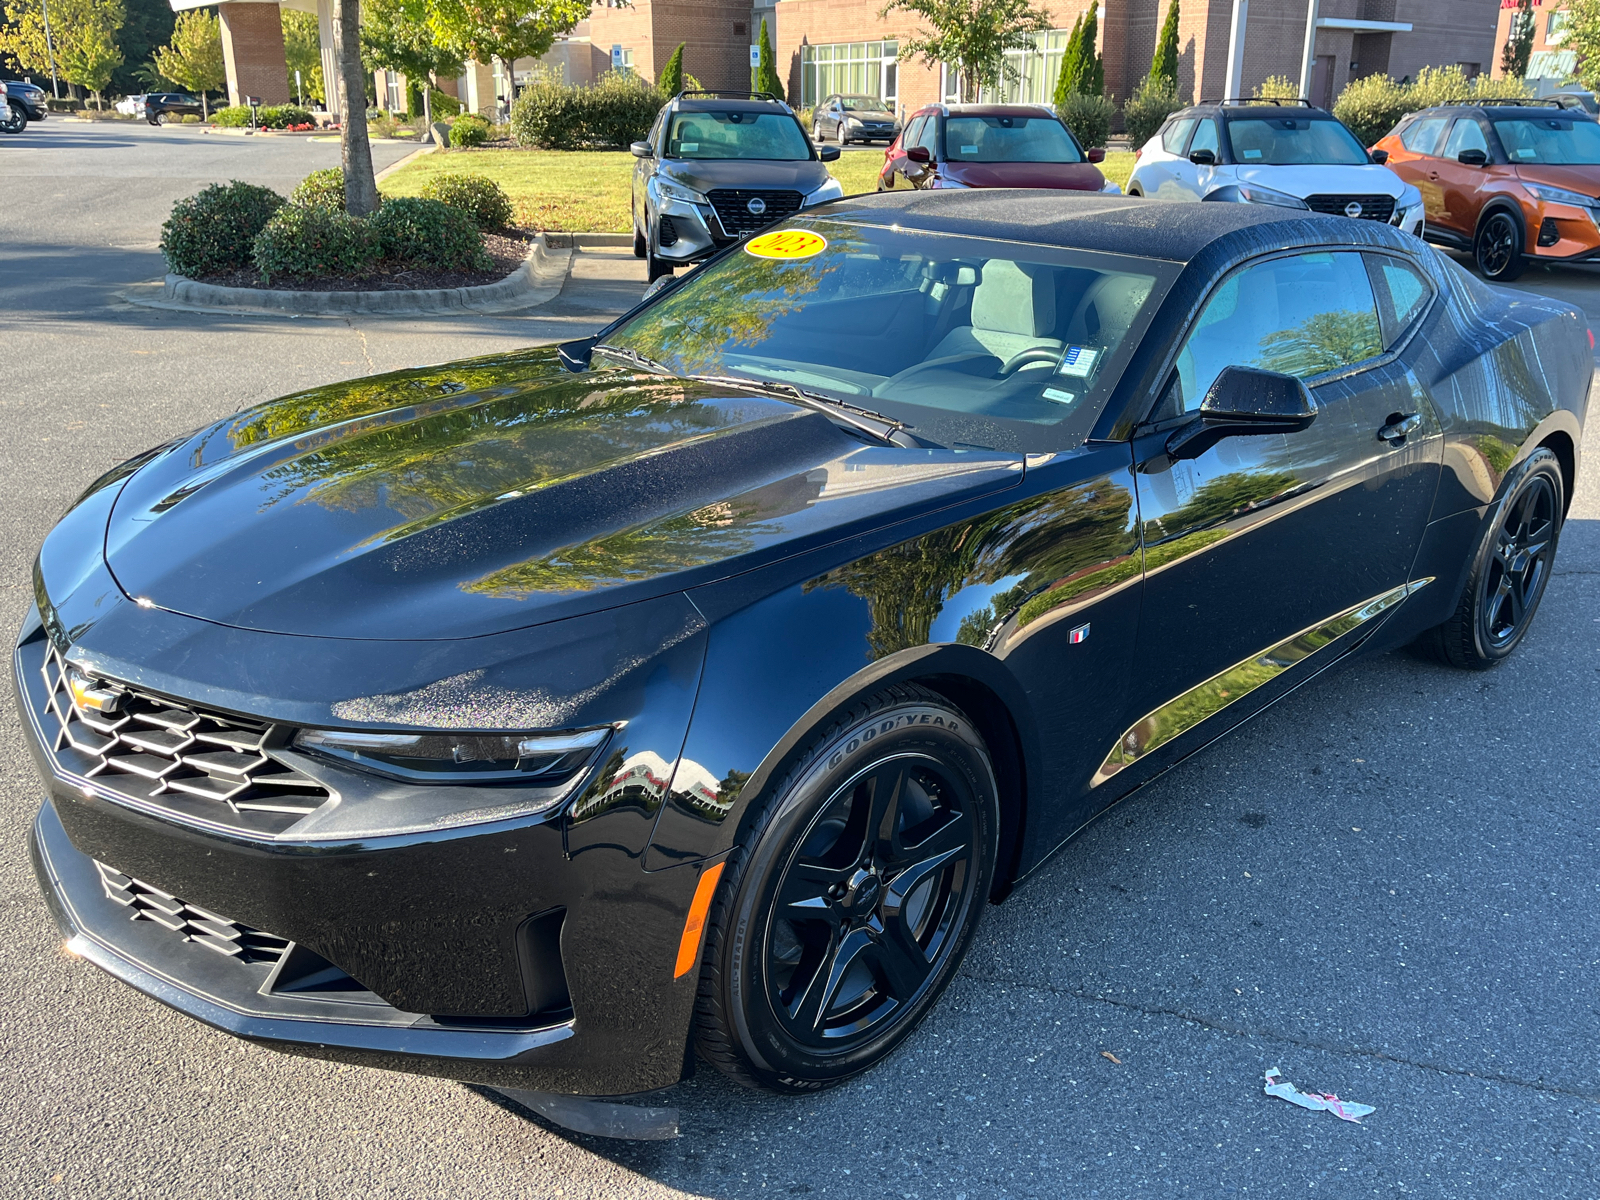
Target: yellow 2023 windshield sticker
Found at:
787, 243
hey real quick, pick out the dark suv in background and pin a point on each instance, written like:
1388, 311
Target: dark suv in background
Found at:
716, 167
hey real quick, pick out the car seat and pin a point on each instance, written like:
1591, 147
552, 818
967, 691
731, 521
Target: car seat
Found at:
1013, 309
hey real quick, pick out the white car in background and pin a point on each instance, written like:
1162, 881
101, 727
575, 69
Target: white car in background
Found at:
1284, 153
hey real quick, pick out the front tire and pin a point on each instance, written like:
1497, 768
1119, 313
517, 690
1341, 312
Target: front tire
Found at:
1510, 569
854, 899
1498, 247
13, 119
842, 137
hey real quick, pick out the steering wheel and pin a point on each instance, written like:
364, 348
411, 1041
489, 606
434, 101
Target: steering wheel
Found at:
1033, 354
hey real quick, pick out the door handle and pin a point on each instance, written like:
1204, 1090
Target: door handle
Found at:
1400, 427
1433, 175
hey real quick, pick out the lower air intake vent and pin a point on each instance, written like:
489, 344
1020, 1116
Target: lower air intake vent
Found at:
193, 763
146, 903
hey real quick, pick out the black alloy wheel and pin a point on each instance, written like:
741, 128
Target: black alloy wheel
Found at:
13, 119
1510, 569
1498, 247
866, 877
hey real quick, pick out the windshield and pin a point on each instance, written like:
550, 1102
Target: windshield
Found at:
769, 135
1550, 140
862, 104
1008, 139
1293, 141
956, 337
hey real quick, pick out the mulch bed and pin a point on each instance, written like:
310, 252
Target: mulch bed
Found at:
509, 249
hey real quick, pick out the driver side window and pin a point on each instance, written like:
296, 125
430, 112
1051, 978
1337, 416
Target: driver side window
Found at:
1205, 138
1302, 314
1465, 135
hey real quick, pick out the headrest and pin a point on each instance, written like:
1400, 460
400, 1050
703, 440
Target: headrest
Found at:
1015, 298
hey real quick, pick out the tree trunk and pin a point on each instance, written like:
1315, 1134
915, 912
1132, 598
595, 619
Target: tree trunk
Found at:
360, 189
205, 107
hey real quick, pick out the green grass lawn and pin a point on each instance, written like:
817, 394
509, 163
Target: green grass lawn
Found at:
587, 190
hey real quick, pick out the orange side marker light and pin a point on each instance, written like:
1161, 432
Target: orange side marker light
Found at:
694, 926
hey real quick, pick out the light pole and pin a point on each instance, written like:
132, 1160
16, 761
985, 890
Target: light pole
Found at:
50, 48
1308, 58
1241, 18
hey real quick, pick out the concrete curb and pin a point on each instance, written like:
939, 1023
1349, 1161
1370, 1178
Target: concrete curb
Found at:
579, 240
425, 148
537, 281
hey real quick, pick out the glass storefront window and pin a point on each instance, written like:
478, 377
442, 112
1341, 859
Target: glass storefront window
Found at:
849, 68
1030, 77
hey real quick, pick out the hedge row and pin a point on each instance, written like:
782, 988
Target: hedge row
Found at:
616, 110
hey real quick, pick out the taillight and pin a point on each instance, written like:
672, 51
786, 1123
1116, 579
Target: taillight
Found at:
1591, 339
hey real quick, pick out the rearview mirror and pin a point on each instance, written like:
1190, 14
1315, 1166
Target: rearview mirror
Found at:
1472, 158
918, 154
1097, 155
1244, 400
1203, 158
827, 153
1379, 157
641, 150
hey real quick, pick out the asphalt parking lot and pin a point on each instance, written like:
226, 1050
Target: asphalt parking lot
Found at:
1385, 886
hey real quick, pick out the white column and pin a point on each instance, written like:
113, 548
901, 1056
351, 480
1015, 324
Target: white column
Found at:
1241, 17
1308, 60
330, 57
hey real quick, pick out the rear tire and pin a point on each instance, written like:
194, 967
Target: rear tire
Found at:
855, 895
1510, 569
1497, 249
640, 246
13, 119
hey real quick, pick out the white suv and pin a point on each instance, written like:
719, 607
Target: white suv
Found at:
1287, 154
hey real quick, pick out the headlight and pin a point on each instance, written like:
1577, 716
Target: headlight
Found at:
666, 189
1410, 197
1555, 195
1254, 193
551, 762
1112, 189
856, 121
831, 190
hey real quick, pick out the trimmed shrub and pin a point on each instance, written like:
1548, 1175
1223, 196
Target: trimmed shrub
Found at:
444, 105
478, 196
670, 81
1152, 102
469, 130
314, 241
1089, 117
320, 189
215, 230
427, 232
282, 116
1373, 105
1277, 87
235, 116
616, 110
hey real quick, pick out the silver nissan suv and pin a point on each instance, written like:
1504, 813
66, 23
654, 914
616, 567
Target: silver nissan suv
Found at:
717, 167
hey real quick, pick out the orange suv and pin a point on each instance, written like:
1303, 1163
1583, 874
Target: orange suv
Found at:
1509, 181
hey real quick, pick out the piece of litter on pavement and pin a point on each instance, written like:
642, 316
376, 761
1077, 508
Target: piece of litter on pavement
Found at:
1345, 1110
1111, 1056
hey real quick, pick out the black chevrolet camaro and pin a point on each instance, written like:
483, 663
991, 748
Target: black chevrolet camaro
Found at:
540, 720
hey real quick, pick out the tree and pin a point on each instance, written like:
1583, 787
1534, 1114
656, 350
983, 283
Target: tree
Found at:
1519, 42
1164, 66
766, 74
1071, 64
396, 37
1082, 69
87, 53
24, 36
148, 26
670, 81
1583, 36
355, 150
485, 30
970, 37
302, 50
193, 59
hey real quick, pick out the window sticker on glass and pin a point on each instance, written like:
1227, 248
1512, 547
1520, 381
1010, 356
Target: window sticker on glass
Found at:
1078, 360
1059, 396
688, 147
1251, 153
969, 149
787, 243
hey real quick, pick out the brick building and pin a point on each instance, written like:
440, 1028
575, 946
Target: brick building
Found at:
716, 35
1551, 61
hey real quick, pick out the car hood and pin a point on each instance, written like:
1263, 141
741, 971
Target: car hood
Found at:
1078, 177
499, 493
1322, 179
705, 174
1584, 179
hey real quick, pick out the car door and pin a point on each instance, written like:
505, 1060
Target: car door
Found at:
1460, 183
1196, 179
1269, 553
894, 172
1159, 175
929, 138
643, 168
1417, 162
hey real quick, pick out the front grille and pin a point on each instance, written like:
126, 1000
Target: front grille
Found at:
733, 208
1373, 208
191, 762
146, 903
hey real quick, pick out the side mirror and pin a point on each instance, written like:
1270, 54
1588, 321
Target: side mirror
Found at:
919, 154
1244, 400
827, 153
641, 150
1379, 157
1097, 155
1203, 158
1472, 158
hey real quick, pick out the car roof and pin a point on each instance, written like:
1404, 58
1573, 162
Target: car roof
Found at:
1109, 224
991, 110
1233, 110
711, 104
1500, 108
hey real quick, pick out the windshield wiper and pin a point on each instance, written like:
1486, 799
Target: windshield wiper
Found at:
633, 356
875, 424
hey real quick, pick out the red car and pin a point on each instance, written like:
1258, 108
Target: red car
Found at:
990, 145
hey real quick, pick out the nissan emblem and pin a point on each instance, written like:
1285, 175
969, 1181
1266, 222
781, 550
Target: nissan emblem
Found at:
757, 206
1353, 209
